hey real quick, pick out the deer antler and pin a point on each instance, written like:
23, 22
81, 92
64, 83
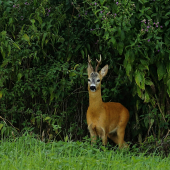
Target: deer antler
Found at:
89, 61
98, 63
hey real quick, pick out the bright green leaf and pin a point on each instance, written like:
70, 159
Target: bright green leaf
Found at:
72, 74
19, 76
76, 66
1, 125
47, 118
5, 62
16, 45
26, 38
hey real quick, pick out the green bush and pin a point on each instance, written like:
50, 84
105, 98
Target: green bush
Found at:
44, 47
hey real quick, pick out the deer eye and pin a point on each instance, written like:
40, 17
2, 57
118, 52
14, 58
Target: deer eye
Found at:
98, 80
88, 80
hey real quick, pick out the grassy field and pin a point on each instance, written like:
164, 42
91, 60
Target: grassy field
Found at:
27, 153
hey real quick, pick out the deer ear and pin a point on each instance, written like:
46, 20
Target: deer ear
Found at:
104, 71
89, 69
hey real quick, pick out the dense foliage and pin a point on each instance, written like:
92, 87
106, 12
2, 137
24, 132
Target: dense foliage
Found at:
44, 47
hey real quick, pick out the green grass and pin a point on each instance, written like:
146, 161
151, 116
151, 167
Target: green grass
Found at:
27, 153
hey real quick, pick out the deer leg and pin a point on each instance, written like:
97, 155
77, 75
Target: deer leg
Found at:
93, 136
118, 139
102, 134
114, 138
93, 133
104, 140
121, 142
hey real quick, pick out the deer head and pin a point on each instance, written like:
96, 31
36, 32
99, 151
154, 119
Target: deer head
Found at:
95, 78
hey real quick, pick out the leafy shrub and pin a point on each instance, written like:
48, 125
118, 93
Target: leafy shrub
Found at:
44, 48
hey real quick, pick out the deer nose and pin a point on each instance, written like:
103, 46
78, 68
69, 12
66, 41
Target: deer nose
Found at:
92, 88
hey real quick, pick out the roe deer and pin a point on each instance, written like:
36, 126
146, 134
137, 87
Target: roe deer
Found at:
104, 119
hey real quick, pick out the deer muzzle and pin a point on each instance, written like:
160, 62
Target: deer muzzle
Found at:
93, 88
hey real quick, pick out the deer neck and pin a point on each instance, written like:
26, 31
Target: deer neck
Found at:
95, 99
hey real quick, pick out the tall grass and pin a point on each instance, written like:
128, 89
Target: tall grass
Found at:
28, 153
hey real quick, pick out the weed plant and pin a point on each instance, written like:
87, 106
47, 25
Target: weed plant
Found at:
27, 152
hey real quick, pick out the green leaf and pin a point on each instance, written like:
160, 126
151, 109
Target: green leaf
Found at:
127, 55
161, 71
10, 21
131, 56
140, 80
168, 13
0, 94
106, 35
122, 35
102, 2
145, 63
146, 97
148, 82
32, 21
66, 138
47, 118
82, 53
97, 26
134, 90
139, 92
19, 76
97, 11
128, 69
1, 125
72, 74
113, 40
88, 47
166, 23
3, 33
5, 62
78, 46
141, 67
51, 96
158, 38
120, 47
26, 38
69, 56
16, 45
155, 14
76, 66
43, 39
